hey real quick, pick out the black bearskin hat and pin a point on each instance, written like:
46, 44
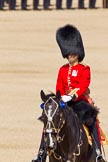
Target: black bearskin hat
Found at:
70, 41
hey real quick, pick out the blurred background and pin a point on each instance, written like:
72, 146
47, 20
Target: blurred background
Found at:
29, 62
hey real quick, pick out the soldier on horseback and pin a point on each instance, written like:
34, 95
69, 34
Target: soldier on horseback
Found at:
73, 83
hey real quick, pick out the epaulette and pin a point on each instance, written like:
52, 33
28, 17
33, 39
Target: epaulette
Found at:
82, 63
66, 64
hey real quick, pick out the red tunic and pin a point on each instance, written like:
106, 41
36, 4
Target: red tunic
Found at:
71, 77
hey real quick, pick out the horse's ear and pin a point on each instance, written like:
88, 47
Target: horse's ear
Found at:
58, 95
43, 96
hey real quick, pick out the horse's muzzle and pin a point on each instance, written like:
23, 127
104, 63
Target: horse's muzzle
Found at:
50, 141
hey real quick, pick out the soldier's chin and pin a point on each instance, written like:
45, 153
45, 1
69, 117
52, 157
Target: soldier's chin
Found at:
71, 61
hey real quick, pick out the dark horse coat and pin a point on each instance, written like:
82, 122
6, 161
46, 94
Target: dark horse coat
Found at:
63, 135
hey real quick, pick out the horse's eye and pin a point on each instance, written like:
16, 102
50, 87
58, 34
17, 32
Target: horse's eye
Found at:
43, 114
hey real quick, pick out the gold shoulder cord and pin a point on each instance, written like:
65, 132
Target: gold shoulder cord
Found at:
82, 63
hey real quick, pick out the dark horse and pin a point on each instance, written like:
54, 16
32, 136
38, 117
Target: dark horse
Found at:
64, 136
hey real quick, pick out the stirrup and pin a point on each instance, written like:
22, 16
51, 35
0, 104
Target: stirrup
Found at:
100, 158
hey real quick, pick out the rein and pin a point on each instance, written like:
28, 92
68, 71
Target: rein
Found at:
79, 142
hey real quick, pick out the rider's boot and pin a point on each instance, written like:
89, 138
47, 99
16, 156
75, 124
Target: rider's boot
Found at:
96, 143
41, 157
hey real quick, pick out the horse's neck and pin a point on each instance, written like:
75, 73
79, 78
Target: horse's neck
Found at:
71, 132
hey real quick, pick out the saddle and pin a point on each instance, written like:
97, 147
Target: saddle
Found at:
101, 134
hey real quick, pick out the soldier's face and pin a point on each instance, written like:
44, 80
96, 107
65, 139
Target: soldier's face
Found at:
73, 59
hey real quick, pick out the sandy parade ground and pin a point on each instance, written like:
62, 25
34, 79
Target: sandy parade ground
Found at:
29, 62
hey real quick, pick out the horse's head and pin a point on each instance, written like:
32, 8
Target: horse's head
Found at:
62, 133
53, 118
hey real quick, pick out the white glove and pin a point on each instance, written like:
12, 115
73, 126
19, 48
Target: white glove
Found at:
66, 98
